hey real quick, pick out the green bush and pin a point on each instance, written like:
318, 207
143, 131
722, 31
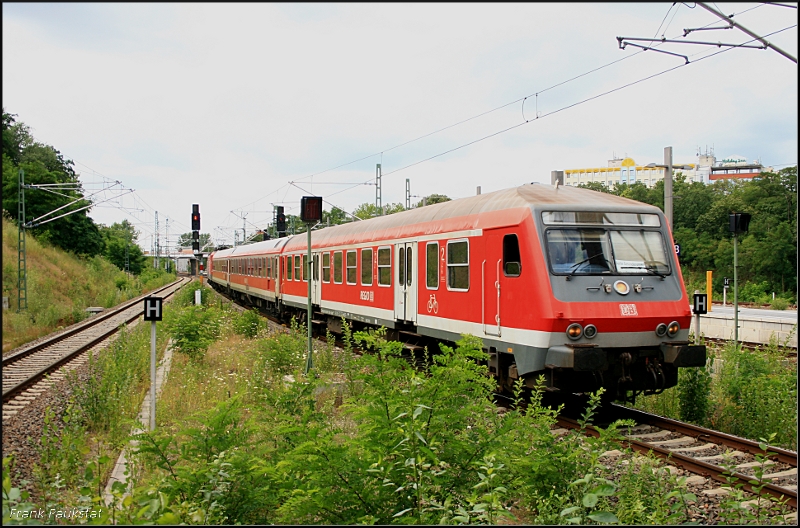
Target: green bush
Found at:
779, 303
694, 391
249, 323
193, 329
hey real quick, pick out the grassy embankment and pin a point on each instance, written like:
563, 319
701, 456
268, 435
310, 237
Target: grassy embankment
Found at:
60, 287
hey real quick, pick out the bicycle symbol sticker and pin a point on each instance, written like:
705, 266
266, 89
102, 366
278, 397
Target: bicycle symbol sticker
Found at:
433, 306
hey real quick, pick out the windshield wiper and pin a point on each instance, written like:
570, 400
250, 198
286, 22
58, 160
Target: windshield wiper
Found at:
654, 271
574, 267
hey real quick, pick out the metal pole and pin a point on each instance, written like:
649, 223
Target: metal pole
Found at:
735, 292
309, 266
730, 21
378, 196
668, 186
697, 324
153, 376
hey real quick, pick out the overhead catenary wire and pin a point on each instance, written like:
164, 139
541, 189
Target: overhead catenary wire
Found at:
566, 107
521, 99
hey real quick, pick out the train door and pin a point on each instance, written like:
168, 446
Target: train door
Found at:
491, 287
316, 290
405, 280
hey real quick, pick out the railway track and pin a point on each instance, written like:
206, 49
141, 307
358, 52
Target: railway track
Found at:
705, 452
28, 371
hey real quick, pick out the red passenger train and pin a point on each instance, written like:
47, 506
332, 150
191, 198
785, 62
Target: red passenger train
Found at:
581, 287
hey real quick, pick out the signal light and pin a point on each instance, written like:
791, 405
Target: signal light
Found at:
196, 246
195, 235
195, 217
280, 221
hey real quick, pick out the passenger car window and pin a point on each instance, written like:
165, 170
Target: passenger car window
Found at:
458, 265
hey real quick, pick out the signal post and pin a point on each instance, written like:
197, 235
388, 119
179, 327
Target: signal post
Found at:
310, 213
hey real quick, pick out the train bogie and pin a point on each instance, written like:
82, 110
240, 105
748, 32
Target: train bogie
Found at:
576, 286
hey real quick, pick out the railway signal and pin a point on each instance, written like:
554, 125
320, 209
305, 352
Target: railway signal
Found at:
280, 221
311, 209
195, 217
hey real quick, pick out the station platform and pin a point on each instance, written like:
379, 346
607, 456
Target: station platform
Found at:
756, 325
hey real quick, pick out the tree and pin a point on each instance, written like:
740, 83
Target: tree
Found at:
370, 210
335, 216
43, 164
120, 240
433, 199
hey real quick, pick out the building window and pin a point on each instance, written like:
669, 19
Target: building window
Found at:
326, 267
337, 267
458, 265
385, 266
366, 267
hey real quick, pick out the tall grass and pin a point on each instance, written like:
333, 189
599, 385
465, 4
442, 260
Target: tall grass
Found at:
60, 286
752, 394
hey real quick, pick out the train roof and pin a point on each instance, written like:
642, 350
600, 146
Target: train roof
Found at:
259, 247
484, 211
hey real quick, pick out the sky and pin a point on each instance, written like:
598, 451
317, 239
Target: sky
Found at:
243, 107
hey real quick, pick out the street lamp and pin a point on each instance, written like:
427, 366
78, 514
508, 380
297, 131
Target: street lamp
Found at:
668, 181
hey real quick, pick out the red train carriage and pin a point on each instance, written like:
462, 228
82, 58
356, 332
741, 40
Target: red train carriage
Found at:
579, 286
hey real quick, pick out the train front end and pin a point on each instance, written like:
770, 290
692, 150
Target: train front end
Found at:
620, 315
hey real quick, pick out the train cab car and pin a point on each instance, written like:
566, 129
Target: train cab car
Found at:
579, 287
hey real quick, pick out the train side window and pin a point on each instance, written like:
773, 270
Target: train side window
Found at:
315, 264
432, 265
366, 267
384, 266
269, 267
306, 272
289, 268
337, 267
458, 265
297, 267
326, 267
512, 266
352, 267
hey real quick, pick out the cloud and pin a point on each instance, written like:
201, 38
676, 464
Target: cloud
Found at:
223, 104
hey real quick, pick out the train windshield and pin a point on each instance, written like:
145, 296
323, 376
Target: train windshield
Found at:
593, 251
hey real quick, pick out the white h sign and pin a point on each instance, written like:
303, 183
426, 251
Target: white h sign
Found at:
152, 309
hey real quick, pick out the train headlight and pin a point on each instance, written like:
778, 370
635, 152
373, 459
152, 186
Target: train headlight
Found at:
621, 287
661, 330
574, 331
590, 331
673, 329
